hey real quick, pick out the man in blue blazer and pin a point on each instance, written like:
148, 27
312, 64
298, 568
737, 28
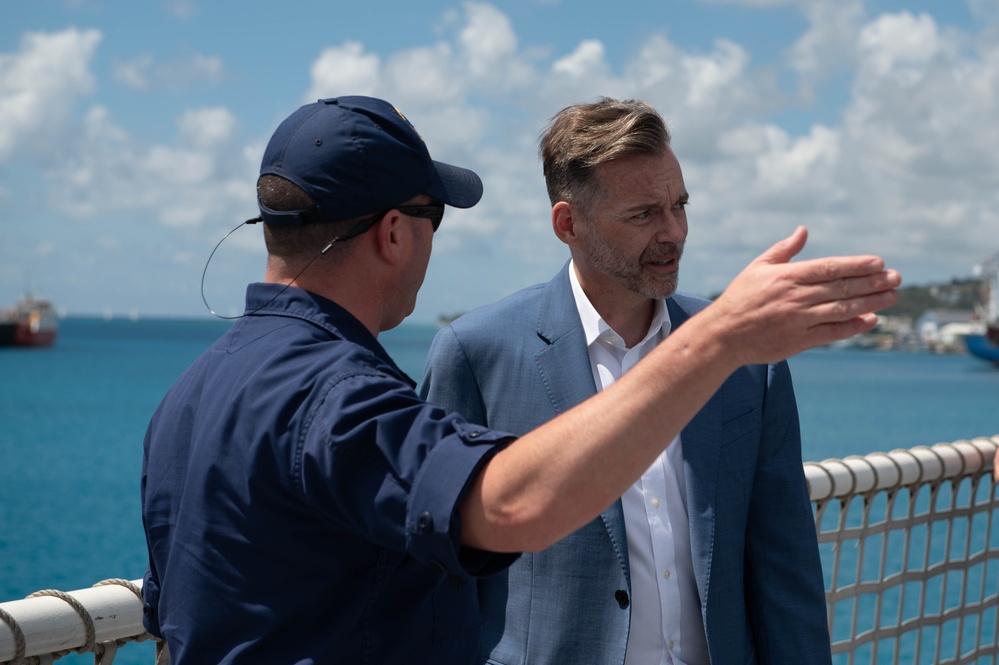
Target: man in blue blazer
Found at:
711, 556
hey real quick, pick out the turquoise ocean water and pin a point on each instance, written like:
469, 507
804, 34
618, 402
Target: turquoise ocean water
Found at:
72, 419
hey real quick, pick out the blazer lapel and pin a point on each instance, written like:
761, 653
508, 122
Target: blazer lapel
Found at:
564, 366
701, 440
563, 361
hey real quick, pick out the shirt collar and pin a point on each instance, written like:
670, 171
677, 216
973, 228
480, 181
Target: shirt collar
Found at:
269, 299
594, 326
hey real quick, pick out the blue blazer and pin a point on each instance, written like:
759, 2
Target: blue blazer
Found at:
519, 362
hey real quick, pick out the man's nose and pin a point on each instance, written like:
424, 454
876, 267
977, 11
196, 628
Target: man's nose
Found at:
672, 226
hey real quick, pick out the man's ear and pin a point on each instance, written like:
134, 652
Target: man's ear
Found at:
390, 237
564, 223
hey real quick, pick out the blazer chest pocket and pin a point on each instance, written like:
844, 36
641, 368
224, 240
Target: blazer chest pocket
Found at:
741, 427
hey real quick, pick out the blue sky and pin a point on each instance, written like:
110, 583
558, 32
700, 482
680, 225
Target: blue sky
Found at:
131, 132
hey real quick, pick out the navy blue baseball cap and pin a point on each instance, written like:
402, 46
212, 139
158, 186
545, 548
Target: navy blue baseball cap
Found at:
357, 156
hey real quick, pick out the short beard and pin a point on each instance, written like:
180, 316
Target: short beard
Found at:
604, 259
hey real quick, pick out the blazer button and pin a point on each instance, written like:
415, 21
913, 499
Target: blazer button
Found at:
621, 596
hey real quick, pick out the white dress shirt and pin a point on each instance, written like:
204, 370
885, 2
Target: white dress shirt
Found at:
666, 625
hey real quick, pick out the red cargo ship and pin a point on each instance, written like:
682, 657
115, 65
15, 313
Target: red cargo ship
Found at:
31, 322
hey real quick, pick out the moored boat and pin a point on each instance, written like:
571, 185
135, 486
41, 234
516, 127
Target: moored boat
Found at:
982, 347
30, 322
986, 344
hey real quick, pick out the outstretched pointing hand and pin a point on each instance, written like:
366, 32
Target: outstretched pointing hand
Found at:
774, 308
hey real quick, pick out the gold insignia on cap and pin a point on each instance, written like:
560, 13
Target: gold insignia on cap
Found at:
409, 123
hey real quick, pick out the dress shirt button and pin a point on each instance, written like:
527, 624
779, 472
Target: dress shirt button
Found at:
665, 574
655, 503
425, 523
670, 645
621, 596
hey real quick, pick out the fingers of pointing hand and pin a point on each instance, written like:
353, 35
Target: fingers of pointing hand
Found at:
847, 288
827, 333
817, 271
849, 308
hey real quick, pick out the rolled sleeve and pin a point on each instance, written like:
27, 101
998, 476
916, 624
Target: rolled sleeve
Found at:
150, 604
433, 526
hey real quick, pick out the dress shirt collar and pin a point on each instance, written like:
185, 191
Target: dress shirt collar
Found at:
595, 328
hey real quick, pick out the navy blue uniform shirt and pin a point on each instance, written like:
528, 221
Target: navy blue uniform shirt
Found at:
300, 500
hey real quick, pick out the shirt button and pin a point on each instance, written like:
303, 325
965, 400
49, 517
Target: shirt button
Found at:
425, 523
666, 574
655, 503
670, 645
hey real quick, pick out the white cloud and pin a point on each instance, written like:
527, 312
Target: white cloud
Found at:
488, 52
185, 184
344, 70
744, 141
829, 43
487, 41
207, 128
657, 63
802, 168
172, 166
424, 76
39, 86
709, 78
586, 60
703, 96
898, 44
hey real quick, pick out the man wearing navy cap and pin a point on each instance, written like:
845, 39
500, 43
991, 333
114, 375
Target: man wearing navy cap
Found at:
301, 503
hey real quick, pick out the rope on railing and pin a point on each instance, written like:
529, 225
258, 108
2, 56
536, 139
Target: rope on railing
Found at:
909, 553
40, 634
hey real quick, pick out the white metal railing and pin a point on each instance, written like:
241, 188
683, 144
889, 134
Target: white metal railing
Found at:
50, 624
909, 553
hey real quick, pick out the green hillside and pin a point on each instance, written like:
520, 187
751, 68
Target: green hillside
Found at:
957, 295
